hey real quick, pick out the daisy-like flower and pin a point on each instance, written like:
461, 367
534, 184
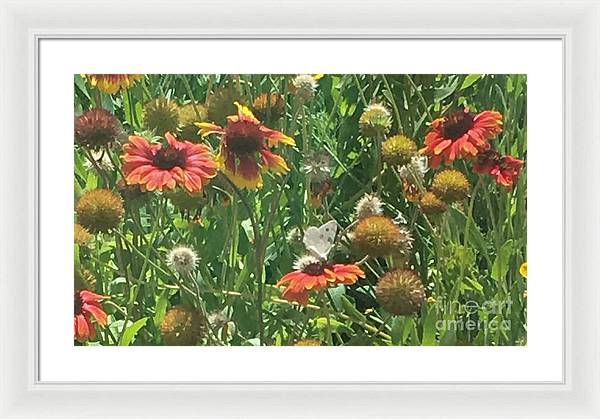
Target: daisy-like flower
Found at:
506, 169
87, 308
183, 260
158, 166
112, 83
462, 134
246, 141
314, 274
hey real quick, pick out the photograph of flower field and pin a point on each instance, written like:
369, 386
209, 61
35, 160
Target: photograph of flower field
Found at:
300, 209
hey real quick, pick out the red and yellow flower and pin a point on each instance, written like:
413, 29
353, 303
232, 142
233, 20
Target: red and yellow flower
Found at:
158, 166
462, 134
112, 83
314, 274
506, 169
246, 148
87, 311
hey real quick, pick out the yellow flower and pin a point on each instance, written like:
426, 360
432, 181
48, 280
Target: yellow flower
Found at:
112, 83
523, 270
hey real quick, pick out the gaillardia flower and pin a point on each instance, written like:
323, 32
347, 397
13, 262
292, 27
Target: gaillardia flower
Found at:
158, 166
314, 274
269, 106
183, 260
431, 204
87, 308
375, 121
400, 292
368, 205
506, 169
462, 134
245, 142
96, 128
380, 236
182, 326
398, 150
99, 210
450, 185
161, 115
112, 83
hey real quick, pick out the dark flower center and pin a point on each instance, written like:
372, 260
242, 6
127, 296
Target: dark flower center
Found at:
244, 138
168, 158
457, 124
78, 304
315, 268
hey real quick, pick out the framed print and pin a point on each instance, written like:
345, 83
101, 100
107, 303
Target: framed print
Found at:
235, 213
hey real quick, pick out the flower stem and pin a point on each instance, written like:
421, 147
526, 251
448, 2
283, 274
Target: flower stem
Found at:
325, 311
421, 98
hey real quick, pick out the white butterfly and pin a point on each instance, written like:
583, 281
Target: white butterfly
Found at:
319, 241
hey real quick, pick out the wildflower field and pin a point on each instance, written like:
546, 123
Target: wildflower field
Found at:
307, 210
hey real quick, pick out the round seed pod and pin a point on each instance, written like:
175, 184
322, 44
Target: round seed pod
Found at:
398, 150
161, 115
450, 185
99, 210
189, 114
430, 204
380, 236
82, 235
97, 128
182, 326
400, 292
375, 121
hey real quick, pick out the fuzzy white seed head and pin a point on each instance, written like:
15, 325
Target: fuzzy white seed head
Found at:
414, 171
182, 259
368, 206
305, 86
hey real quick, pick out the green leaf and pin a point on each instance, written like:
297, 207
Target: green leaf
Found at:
131, 331
337, 296
470, 80
336, 326
351, 311
429, 327
442, 93
161, 308
501, 263
397, 330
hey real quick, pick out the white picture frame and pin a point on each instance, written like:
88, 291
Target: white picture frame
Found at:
25, 23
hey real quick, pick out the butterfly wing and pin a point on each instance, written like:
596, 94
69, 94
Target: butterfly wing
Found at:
320, 241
